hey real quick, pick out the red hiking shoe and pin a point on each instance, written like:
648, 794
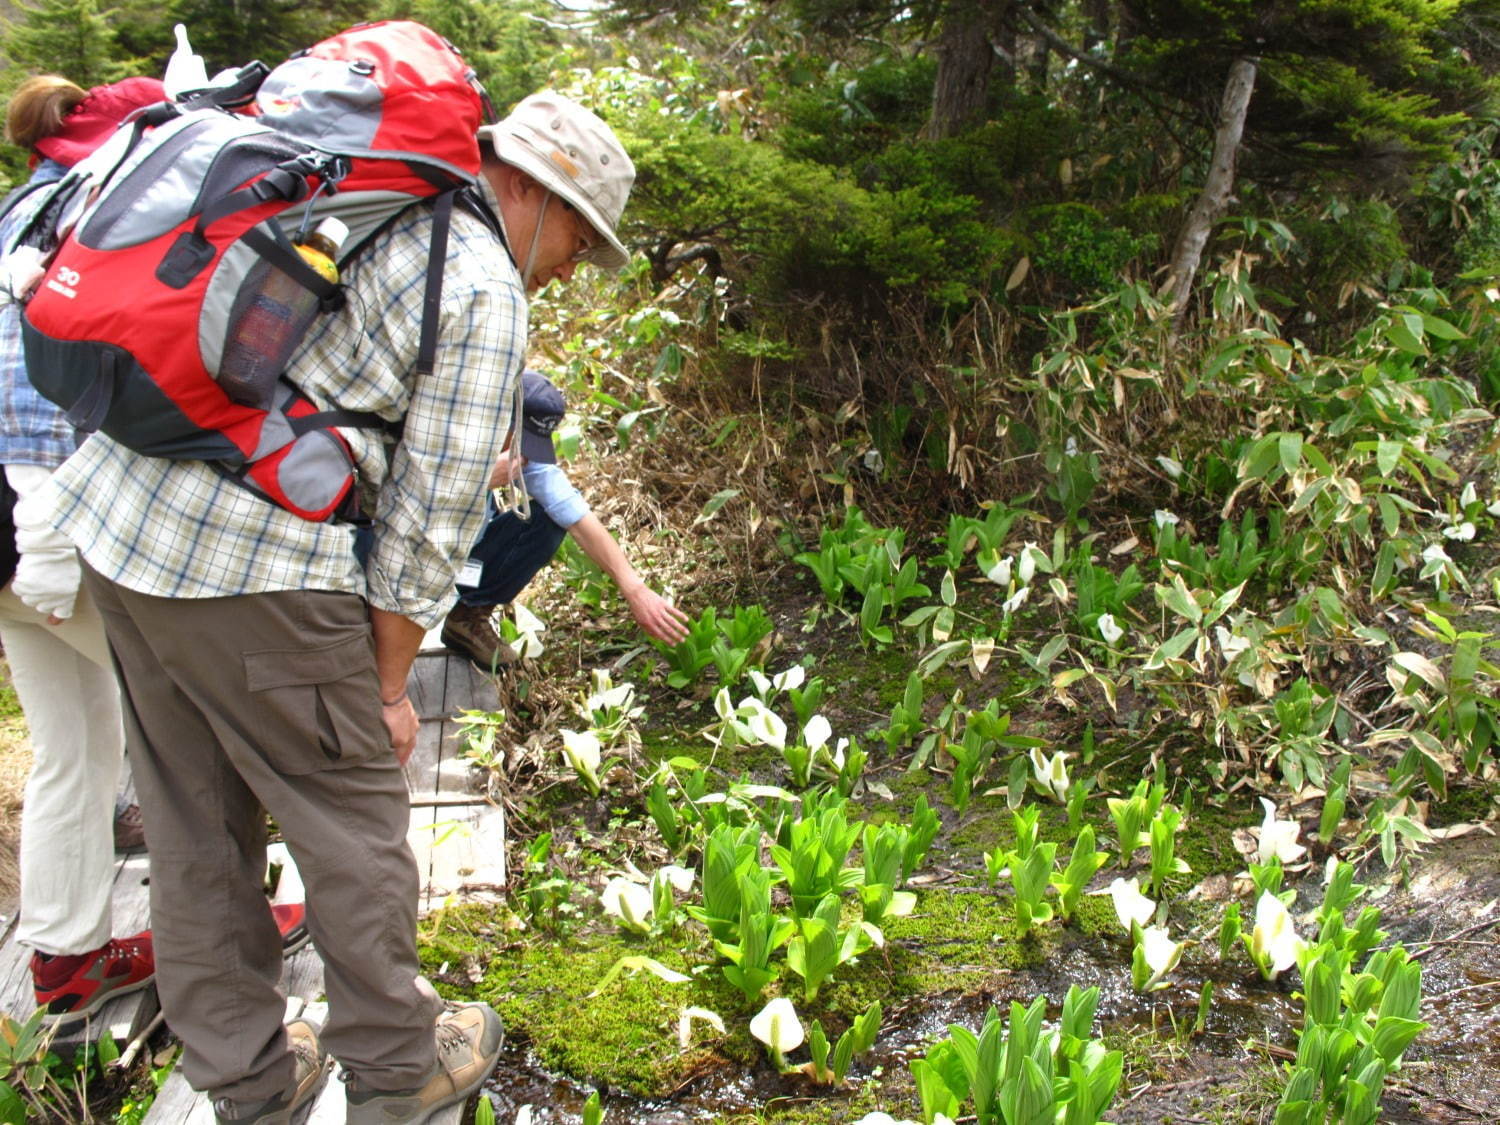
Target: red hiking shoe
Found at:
291, 920
73, 987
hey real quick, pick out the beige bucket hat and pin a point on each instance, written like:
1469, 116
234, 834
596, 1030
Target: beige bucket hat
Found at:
570, 151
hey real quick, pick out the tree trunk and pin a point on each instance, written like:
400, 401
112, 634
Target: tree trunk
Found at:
965, 62
1188, 252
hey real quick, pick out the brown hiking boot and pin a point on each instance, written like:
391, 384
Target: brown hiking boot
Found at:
130, 833
470, 631
468, 1043
312, 1067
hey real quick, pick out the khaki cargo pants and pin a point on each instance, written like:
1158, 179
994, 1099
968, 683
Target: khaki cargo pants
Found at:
269, 702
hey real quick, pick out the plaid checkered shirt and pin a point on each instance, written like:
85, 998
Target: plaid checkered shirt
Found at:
32, 430
179, 529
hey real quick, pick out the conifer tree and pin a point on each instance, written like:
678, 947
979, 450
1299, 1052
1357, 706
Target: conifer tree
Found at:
68, 37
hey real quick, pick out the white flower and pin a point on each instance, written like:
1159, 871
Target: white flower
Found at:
1274, 939
1109, 628
1051, 773
878, 1118
1161, 954
1468, 496
1173, 468
1070, 447
1463, 531
1164, 517
1016, 600
1494, 509
1278, 838
1026, 565
1131, 907
791, 679
629, 902
764, 725
999, 573
529, 630
581, 749
778, 1027
817, 732
723, 707
611, 697
1435, 553
681, 878
759, 682
837, 756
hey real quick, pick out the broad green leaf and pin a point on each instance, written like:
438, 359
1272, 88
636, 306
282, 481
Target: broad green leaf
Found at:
1400, 334
1394, 1034
1289, 450
949, 589
1179, 599
1437, 326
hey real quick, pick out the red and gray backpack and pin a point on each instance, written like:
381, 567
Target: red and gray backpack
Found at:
127, 327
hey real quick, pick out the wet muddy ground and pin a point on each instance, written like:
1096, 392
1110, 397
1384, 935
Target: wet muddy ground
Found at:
1447, 914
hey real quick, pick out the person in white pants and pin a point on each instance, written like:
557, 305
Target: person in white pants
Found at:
60, 665
53, 636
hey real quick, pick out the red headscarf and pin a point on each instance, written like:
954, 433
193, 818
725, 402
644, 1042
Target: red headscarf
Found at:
92, 120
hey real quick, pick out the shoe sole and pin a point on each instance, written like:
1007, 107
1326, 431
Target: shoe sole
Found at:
63, 1019
295, 941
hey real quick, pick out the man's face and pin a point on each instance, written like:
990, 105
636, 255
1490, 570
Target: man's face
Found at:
565, 238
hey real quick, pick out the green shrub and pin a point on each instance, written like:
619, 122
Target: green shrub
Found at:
1354, 242
1080, 249
852, 115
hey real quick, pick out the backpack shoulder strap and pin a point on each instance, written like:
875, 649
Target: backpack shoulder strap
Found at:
437, 261
18, 193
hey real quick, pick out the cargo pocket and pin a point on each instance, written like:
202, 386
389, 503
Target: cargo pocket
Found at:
317, 709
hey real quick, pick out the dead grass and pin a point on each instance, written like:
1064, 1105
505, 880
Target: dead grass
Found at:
15, 764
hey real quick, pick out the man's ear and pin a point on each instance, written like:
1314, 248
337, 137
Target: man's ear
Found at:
509, 183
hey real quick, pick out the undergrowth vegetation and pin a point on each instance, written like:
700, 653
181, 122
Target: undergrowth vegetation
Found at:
1013, 589
929, 672
1072, 671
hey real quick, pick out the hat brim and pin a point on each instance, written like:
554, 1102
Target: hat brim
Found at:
538, 448
610, 254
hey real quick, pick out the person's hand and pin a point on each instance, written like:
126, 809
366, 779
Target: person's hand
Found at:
47, 573
401, 721
47, 580
506, 469
657, 616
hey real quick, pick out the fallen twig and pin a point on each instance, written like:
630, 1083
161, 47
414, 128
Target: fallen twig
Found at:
133, 1048
1453, 938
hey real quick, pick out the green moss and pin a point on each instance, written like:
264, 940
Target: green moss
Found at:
986, 826
1206, 841
623, 1038
1095, 917
959, 939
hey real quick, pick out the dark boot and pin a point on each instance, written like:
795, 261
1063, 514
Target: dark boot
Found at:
470, 631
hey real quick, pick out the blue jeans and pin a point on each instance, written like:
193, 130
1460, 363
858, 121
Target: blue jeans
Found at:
510, 551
